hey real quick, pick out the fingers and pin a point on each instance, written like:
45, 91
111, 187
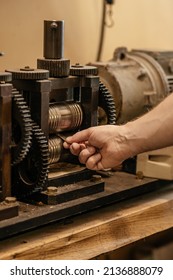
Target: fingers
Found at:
80, 136
91, 158
79, 146
87, 152
76, 148
66, 145
94, 162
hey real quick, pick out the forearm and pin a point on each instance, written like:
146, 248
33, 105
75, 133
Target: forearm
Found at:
107, 146
152, 131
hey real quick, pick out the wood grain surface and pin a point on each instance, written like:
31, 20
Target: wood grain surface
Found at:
88, 235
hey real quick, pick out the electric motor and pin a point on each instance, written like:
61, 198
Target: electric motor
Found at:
138, 80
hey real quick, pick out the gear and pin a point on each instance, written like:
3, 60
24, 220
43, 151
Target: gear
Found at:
32, 171
28, 73
56, 67
83, 70
106, 102
5, 77
21, 128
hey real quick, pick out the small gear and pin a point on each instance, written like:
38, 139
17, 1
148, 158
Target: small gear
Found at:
106, 102
83, 70
5, 77
32, 171
28, 73
21, 128
56, 67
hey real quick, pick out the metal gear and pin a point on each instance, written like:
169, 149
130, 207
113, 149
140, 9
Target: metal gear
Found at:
106, 102
21, 128
28, 73
56, 67
5, 77
83, 70
32, 171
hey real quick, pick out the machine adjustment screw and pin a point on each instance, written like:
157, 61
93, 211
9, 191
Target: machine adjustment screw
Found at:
10, 199
78, 65
96, 178
27, 68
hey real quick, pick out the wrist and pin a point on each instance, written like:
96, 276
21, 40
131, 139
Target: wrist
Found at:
134, 139
124, 141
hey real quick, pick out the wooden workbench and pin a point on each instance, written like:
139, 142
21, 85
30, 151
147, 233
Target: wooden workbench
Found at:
99, 231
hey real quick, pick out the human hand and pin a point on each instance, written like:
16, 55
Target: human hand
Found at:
99, 147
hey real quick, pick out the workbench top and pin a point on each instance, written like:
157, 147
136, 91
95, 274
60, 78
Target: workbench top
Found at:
90, 234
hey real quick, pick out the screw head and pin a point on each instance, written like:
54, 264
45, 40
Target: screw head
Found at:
54, 25
96, 178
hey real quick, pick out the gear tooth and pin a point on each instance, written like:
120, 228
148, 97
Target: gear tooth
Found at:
83, 70
41, 157
21, 116
29, 74
107, 103
43, 143
56, 67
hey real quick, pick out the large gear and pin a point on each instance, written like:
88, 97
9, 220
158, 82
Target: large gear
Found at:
21, 128
106, 102
32, 171
28, 73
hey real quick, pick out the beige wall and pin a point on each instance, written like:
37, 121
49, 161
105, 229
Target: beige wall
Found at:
138, 24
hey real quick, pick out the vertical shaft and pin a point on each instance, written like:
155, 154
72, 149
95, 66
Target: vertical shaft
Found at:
53, 39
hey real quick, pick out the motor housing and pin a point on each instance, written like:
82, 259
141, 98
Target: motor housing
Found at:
138, 80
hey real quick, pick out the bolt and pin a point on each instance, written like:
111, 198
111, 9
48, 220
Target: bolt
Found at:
142, 73
27, 68
10, 199
54, 25
96, 178
77, 65
139, 175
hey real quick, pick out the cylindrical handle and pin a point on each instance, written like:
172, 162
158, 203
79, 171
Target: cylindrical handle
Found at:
53, 39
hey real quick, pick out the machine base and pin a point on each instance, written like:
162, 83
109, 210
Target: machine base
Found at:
118, 187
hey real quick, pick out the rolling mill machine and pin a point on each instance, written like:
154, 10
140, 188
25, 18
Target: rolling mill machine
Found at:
40, 181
